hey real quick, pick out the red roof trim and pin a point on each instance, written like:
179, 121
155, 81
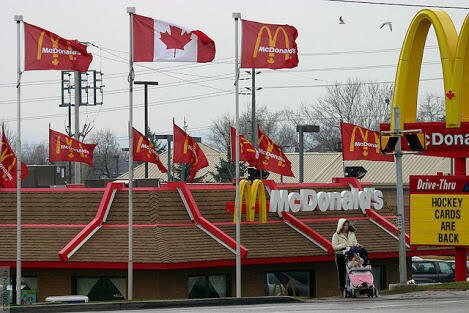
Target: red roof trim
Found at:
97, 221
204, 264
199, 219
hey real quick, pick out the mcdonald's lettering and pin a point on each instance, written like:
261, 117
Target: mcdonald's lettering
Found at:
454, 59
310, 200
306, 200
6, 171
268, 154
272, 41
55, 51
364, 143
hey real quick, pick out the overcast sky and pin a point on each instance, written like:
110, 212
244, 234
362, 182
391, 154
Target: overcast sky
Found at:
328, 52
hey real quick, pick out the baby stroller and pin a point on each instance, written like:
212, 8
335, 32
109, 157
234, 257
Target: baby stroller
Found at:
359, 280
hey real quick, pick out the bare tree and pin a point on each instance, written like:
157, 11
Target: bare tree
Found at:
431, 109
277, 125
357, 102
35, 154
9, 134
105, 154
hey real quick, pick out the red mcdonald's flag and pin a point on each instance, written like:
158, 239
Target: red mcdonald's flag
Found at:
45, 50
268, 46
145, 151
247, 152
65, 148
359, 143
8, 165
186, 150
271, 157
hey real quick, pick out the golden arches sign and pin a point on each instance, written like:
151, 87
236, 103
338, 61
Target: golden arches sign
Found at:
272, 42
251, 193
454, 53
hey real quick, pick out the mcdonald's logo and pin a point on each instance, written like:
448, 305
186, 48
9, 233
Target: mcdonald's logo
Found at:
272, 41
283, 291
454, 55
364, 143
54, 50
275, 42
359, 143
251, 193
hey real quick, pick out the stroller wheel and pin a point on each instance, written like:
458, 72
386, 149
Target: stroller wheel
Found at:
370, 293
356, 293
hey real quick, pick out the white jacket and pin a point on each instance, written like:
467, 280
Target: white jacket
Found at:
341, 241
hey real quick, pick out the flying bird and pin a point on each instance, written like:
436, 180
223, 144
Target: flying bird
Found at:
387, 23
341, 20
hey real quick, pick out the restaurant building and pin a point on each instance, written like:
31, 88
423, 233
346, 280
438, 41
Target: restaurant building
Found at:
75, 241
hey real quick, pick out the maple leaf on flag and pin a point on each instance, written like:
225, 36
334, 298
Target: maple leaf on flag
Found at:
175, 40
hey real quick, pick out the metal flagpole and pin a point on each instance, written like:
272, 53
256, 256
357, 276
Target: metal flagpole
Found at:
237, 16
131, 11
18, 19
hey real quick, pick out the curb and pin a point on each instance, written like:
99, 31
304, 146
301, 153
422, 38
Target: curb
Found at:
155, 304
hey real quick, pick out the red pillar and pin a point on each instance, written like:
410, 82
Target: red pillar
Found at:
460, 253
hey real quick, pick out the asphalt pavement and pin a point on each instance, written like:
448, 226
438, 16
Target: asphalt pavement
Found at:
440, 301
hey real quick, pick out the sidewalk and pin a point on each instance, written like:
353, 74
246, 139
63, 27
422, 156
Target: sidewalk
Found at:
429, 294
155, 304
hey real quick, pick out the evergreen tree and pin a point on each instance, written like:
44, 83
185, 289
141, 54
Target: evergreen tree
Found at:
176, 173
225, 171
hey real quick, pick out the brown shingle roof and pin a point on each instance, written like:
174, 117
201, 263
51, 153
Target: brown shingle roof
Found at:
156, 241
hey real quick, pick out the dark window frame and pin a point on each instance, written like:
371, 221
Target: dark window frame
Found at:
206, 276
75, 284
312, 291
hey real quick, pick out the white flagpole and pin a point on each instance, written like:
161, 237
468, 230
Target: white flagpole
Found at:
18, 20
131, 11
237, 17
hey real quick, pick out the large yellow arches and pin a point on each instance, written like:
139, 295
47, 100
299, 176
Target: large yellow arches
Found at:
454, 61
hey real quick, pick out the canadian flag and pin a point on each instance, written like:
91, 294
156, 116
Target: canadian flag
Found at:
159, 41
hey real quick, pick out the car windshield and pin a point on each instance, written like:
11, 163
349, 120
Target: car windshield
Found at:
423, 268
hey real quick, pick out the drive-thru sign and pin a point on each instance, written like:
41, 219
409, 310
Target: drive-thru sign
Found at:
439, 210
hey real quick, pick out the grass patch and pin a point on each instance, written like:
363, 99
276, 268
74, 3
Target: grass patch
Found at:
460, 285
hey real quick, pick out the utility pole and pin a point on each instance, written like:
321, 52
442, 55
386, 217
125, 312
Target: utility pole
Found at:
145, 84
78, 85
302, 129
400, 200
77, 177
169, 138
69, 133
253, 107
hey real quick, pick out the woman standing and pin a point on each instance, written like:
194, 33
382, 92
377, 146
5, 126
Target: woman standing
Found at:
344, 237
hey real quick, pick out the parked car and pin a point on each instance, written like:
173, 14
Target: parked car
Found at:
431, 271
452, 263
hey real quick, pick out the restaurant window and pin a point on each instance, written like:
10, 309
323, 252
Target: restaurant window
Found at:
379, 278
209, 286
28, 290
100, 288
292, 283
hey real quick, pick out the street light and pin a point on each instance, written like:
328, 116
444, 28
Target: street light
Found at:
145, 84
304, 129
170, 138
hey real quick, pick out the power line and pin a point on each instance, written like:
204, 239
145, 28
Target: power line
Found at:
400, 4
125, 107
343, 84
190, 66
